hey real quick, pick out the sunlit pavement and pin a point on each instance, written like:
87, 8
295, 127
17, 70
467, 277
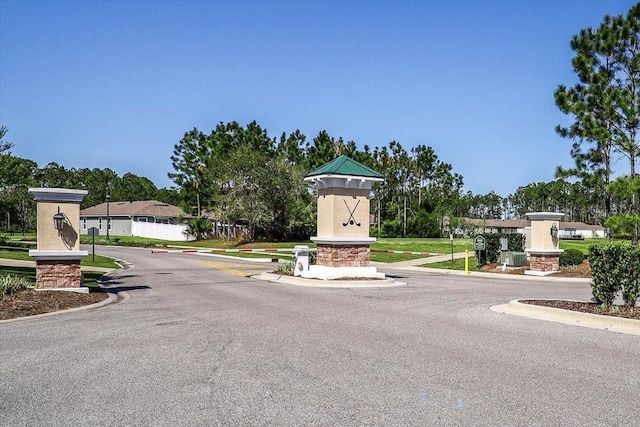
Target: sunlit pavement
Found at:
197, 345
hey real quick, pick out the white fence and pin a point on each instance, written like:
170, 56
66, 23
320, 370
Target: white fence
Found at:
159, 231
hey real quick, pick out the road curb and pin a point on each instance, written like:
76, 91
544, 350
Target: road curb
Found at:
317, 283
568, 317
489, 275
112, 298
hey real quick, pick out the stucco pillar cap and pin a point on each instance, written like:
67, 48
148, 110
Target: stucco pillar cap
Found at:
538, 216
58, 194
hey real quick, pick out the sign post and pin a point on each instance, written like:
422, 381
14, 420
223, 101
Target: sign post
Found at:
451, 239
479, 245
466, 261
93, 232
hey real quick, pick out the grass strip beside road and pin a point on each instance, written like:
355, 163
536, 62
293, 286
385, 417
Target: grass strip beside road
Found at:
20, 254
29, 273
439, 246
389, 257
456, 264
280, 256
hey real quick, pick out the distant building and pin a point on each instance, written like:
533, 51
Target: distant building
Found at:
566, 229
147, 218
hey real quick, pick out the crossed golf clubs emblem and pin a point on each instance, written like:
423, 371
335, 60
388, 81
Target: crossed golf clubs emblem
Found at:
351, 219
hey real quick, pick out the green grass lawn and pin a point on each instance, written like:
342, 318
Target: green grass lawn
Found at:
456, 264
29, 273
387, 257
222, 244
441, 246
17, 237
282, 256
21, 254
123, 240
581, 245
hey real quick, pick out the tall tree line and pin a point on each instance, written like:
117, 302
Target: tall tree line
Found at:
605, 108
17, 175
241, 174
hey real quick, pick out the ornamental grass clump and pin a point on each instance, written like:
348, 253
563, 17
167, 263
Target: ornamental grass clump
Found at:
286, 269
12, 284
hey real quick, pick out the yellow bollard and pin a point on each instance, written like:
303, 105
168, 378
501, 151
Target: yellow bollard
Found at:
466, 261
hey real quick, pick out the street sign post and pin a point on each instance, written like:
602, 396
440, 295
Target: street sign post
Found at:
93, 232
451, 239
480, 244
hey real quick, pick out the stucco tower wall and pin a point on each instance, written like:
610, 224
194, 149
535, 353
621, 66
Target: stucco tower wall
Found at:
541, 223
345, 212
48, 236
58, 252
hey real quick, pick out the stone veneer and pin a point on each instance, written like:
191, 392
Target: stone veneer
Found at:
342, 255
545, 262
58, 274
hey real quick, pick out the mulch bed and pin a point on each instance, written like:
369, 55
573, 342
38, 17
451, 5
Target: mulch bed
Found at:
29, 303
590, 307
583, 270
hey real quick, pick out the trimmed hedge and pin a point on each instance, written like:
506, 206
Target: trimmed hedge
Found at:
571, 257
515, 242
615, 267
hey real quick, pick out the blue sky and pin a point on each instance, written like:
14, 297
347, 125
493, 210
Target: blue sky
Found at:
117, 84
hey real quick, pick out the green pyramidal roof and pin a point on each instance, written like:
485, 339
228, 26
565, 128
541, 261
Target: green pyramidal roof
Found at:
344, 165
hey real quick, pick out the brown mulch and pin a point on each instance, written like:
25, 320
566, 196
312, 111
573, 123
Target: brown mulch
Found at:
29, 303
581, 271
590, 307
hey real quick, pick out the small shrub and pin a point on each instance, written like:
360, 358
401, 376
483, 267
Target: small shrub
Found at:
615, 267
571, 257
629, 272
12, 284
604, 281
286, 268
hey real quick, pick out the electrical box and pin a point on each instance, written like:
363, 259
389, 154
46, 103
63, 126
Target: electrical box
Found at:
300, 259
514, 259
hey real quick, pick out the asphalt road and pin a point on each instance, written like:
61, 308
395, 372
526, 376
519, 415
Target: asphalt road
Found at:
199, 344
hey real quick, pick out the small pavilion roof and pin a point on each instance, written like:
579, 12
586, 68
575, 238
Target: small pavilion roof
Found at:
346, 166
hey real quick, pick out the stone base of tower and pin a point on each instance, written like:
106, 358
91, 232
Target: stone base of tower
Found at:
342, 259
342, 255
59, 270
543, 262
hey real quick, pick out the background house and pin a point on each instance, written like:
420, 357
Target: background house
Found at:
569, 230
566, 229
147, 218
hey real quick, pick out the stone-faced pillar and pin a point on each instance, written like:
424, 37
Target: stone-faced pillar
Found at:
343, 219
58, 251
544, 253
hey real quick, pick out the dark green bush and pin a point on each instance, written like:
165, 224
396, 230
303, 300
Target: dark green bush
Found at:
615, 267
629, 264
423, 225
391, 228
571, 257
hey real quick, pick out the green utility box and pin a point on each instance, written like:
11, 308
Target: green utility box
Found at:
514, 259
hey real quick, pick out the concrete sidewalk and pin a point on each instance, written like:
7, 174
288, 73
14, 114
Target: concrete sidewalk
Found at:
417, 265
420, 261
